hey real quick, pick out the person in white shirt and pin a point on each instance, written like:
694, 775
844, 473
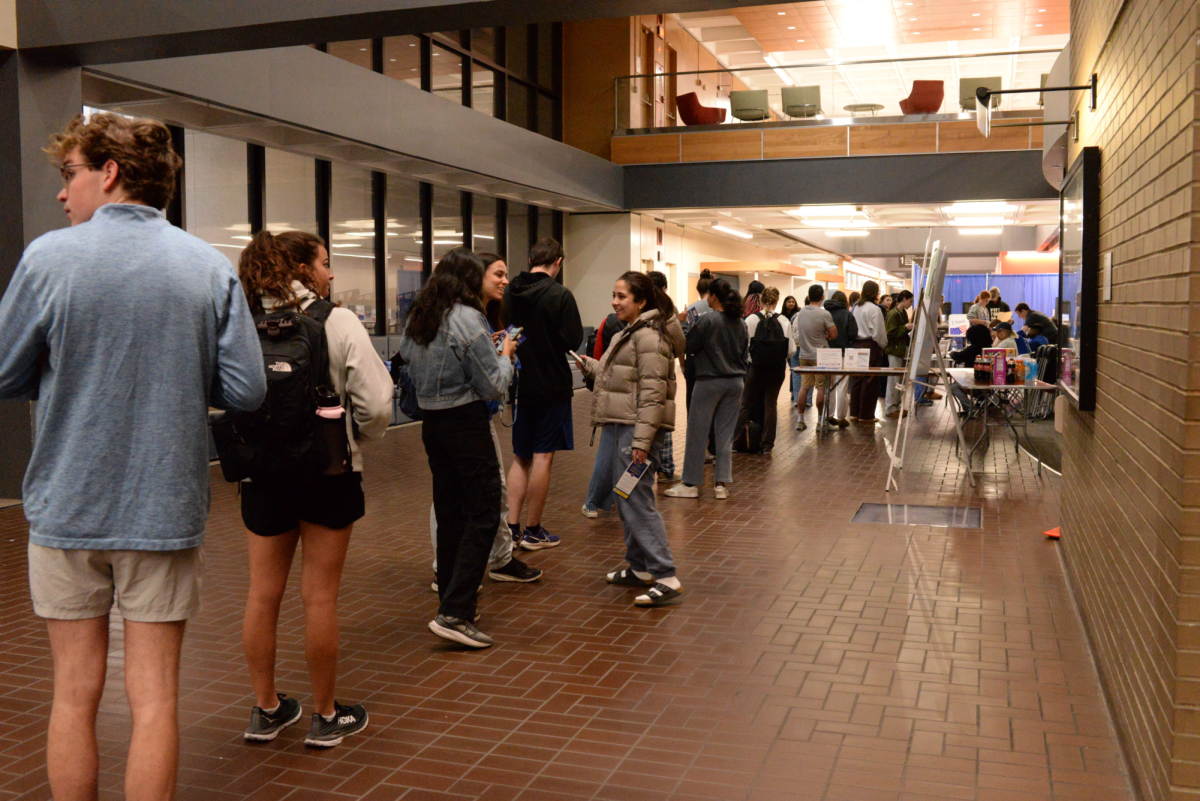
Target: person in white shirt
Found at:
872, 335
1004, 337
768, 368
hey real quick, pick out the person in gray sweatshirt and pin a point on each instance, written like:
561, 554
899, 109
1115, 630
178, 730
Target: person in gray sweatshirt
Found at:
720, 345
125, 329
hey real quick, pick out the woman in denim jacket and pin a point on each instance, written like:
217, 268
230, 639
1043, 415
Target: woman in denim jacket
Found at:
455, 370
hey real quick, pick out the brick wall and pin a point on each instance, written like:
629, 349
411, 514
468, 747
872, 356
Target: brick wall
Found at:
1131, 537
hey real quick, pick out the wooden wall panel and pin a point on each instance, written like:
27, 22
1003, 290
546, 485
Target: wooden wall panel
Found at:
799, 143
656, 149
593, 52
867, 140
955, 137
1035, 137
722, 146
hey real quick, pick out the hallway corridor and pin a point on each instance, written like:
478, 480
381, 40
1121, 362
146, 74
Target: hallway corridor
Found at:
813, 658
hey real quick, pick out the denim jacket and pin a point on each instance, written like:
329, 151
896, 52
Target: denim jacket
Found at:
460, 366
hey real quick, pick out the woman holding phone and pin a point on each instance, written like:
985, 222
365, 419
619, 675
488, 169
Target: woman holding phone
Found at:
634, 404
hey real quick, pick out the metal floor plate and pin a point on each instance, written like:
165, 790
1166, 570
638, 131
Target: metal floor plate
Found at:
903, 514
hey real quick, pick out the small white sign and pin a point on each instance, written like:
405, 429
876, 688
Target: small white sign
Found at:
1106, 276
829, 358
959, 325
857, 359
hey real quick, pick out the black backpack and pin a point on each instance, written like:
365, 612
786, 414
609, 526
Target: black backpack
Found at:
408, 393
769, 347
276, 442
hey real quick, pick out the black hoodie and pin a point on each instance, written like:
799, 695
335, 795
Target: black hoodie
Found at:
547, 311
843, 320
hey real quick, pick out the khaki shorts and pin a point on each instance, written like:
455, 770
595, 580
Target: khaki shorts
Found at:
149, 586
810, 380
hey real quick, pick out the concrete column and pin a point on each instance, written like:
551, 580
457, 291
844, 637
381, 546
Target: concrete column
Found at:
39, 100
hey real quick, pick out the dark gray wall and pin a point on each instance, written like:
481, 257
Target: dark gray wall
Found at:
127, 30
936, 178
42, 100
312, 90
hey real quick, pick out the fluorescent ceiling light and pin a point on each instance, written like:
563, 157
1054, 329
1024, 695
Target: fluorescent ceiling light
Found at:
247, 238
979, 231
858, 232
987, 207
482, 236
418, 261
781, 73
978, 221
346, 245
235, 247
733, 231
823, 211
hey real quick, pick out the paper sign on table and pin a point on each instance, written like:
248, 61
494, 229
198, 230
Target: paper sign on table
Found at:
958, 325
829, 358
857, 359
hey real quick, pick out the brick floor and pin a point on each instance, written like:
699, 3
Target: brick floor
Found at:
814, 658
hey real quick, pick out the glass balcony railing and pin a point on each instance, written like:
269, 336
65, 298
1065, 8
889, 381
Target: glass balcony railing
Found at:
837, 90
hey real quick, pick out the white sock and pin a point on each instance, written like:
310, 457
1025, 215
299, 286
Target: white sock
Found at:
671, 582
271, 711
330, 718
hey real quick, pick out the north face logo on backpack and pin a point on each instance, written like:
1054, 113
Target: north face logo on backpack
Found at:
279, 367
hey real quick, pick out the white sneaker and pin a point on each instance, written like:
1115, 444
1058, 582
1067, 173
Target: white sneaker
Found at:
709, 458
590, 513
720, 493
682, 491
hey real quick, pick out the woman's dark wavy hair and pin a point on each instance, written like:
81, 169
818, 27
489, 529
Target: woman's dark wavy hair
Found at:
492, 312
644, 290
458, 278
731, 301
870, 293
795, 305
270, 263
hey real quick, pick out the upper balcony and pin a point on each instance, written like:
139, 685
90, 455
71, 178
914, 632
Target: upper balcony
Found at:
834, 108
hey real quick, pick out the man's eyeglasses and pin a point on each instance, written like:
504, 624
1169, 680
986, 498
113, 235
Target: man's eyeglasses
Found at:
68, 170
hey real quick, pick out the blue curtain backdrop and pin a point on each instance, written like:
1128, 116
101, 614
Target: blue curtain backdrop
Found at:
1038, 290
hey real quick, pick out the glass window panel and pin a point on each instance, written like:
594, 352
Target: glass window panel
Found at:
215, 192
545, 223
545, 121
518, 103
483, 42
446, 69
352, 251
518, 237
356, 52
402, 59
447, 221
483, 95
516, 49
453, 36
545, 58
483, 224
403, 249
291, 192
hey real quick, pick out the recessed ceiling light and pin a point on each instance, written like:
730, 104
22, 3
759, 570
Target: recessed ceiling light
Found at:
979, 231
974, 29
791, 27
781, 13
974, 15
1038, 25
391, 59
362, 49
1041, 11
799, 40
916, 33
912, 19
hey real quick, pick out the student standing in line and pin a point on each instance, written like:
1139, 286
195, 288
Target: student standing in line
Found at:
635, 403
813, 330
898, 334
125, 329
687, 319
545, 309
872, 335
666, 468
291, 270
769, 354
843, 321
455, 370
752, 304
720, 345
502, 565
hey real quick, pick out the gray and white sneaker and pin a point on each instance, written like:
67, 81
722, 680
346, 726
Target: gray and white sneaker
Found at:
460, 631
347, 720
265, 726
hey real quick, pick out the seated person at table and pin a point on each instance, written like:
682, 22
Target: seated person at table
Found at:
1004, 337
1033, 341
978, 338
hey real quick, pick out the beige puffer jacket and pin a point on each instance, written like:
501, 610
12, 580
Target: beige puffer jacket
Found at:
635, 379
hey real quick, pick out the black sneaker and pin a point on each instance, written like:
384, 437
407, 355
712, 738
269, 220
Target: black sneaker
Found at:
458, 630
265, 726
517, 533
347, 720
517, 571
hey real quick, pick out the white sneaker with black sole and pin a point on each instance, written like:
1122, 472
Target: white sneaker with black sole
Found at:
460, 631
347, 720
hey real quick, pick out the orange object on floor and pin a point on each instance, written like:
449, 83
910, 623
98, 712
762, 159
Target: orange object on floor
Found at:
1053, 533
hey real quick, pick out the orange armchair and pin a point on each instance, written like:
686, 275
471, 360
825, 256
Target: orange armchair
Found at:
693, 113
925, 98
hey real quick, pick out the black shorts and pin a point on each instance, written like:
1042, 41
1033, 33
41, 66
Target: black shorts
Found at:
542, 428
330, 501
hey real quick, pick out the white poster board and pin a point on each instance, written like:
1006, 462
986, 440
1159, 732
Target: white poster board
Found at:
857, 359
923, 338
829, 358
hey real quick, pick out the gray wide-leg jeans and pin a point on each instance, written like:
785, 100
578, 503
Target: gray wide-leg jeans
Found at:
646, 546
715, 404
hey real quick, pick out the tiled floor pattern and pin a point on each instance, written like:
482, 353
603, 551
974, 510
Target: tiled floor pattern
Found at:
814, 658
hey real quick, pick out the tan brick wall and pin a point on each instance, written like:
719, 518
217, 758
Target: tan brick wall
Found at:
1131, 507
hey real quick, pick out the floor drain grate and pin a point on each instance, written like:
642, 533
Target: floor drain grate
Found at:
905, 514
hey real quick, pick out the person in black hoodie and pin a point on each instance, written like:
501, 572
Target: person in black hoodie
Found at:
546, 311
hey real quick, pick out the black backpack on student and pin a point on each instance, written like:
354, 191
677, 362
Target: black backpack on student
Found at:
277, 442
768, 346
407, 392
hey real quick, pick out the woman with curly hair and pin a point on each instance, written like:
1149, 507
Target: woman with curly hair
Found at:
291, 270
455, 371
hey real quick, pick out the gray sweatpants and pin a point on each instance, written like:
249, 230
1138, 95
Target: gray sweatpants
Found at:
715, 403
502, 545
646, 546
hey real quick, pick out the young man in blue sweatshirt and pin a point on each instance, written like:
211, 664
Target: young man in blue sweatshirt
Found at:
125, 330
